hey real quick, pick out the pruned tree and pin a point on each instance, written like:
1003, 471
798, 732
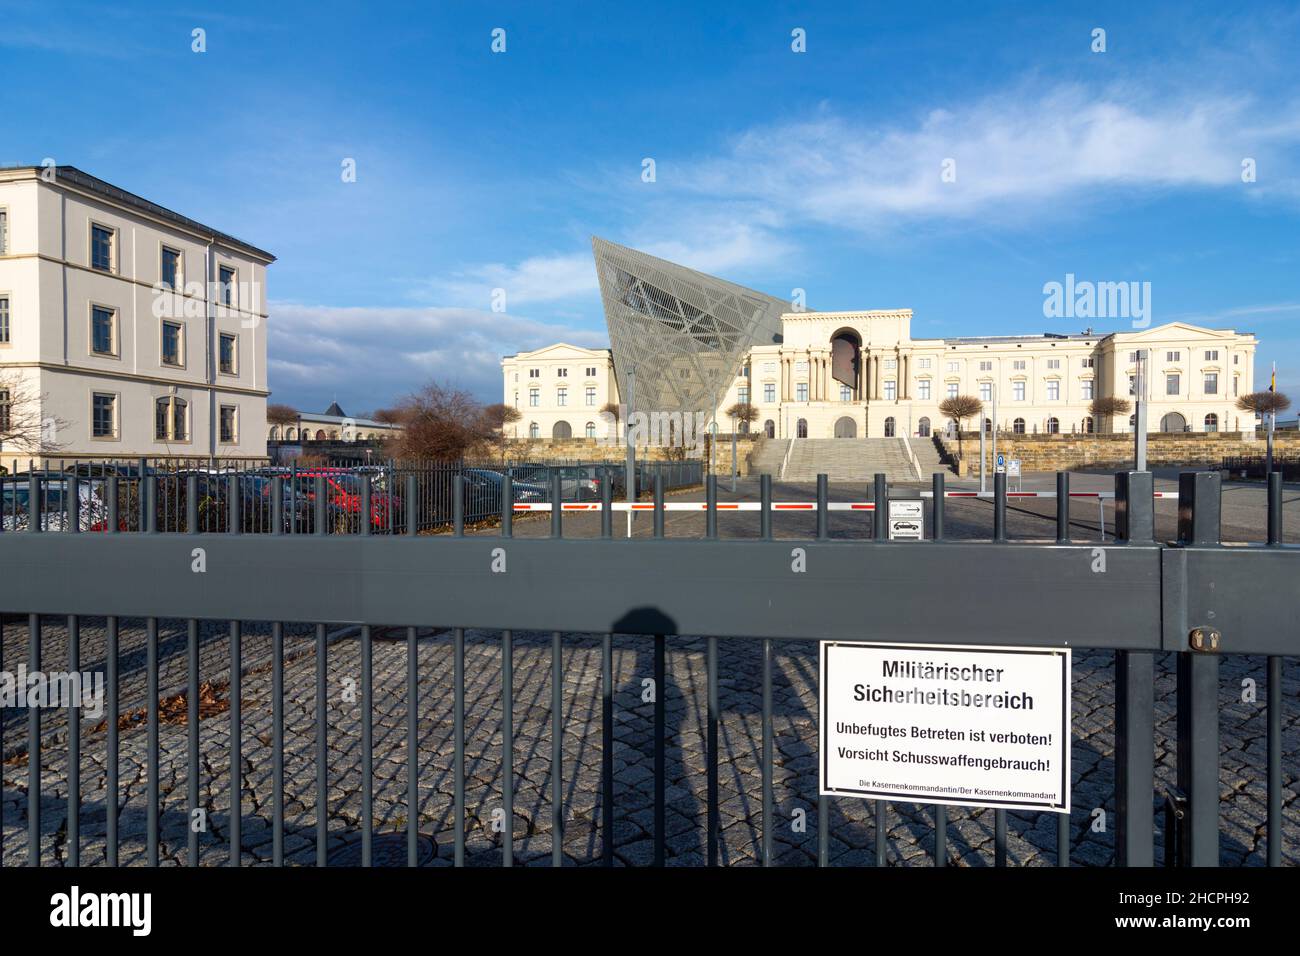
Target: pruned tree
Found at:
389, 416
280, 414
495, 419
742, 412
1107, 407
959, 408
1264, 403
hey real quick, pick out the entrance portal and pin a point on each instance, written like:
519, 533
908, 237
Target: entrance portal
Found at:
846, 428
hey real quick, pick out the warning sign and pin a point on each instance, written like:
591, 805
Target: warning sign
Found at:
934, 723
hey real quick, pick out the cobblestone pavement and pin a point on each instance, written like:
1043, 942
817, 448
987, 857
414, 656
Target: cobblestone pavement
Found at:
1032, 837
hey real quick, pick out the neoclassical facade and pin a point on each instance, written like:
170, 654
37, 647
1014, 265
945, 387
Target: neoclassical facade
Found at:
861, 374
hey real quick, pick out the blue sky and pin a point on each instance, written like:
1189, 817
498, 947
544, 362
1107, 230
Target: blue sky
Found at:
780, 170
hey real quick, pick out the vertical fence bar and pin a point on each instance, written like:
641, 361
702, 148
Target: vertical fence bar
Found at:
711, 506
364, 524
322, 743
1198, 688
659, 504
74, 721
766, 769
714, 824
112, 799
1134, 694
940, 810
412, 743
151, 705
458, 742
33, 730
999, 838
236, 745
1000, 506
557, 744
192, 733
1275, 695
823, 803
1062, 507
508, 747
765, 507
660, 769
880, 531
367, 746
277, 743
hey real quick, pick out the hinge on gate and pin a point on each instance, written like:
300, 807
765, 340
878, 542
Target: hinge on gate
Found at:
1204, 639
1176, 821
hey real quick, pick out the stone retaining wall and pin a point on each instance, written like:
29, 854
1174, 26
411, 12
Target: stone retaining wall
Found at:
1074, 452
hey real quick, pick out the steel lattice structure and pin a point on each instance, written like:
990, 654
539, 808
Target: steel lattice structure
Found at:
684, 332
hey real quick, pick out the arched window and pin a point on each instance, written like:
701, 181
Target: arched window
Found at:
923, 428
561, 429
1018, 426
1088, 425
988, 426
1133, 421
1053, 426
170, 419
889, 427
1211, 422
801, 428
534, 430
744, 428
275, 433
769, 428
591, 429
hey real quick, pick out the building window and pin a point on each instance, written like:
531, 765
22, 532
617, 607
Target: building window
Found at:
923, 363
890, 426
846, 393
101, 248
1236, 358
986, 391
1017, 391
1053, 391
229, 424
891, 363
742, 394
923, 428
171, 268
1053, 426
590, 396
1085, 389
533, 430
103, 331
1018, 365
6, 403
1088, 425
591, 372
954, 366
4, 232
1212, 355
891, 390
952, 389
561, 396
923, 390
1132, 356
534, 398
986, 366
801, 392
1132, 384
534, 373
169, 419
226, 285
562, 373
1211, 383
103, 415
769, 392
4, 320
1211, 422
1018, 426
226, 353
171, 343
1088, 363
1054, 363
1173, 383
1236, 385
1173, 356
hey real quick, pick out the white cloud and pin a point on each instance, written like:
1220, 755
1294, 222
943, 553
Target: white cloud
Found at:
372, 356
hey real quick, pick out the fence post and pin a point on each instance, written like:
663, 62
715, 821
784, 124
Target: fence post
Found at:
1134, 689
1198, 688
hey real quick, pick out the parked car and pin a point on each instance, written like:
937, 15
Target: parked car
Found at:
483, 492
343, 495
92, 512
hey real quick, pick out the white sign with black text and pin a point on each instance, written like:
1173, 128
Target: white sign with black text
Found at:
906, 520
938, 723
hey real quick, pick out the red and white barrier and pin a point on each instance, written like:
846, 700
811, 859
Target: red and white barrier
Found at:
808, 505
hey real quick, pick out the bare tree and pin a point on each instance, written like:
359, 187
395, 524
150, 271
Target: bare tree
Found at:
1264, 403
742, 412
389, 416
281, 414
959, 408
1108, 407
495, 419
442, 423
616, 410
23, 427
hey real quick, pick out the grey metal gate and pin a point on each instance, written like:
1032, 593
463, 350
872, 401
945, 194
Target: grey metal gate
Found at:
1194, 597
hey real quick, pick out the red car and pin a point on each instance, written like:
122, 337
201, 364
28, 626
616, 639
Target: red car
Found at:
343, 495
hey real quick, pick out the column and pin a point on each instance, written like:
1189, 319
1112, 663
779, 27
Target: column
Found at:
862, 374
875, 375
905, 377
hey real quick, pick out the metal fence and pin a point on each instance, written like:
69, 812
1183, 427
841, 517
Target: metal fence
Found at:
201, 496
1252, 467
1193, 597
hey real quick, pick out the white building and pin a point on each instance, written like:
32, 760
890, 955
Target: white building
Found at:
140, 332
1043, 383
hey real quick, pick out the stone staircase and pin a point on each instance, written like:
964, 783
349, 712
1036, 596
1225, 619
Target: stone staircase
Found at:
849, 459
767, 457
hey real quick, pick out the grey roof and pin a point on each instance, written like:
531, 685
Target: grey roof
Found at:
75, 177
335, 410
1024, 339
